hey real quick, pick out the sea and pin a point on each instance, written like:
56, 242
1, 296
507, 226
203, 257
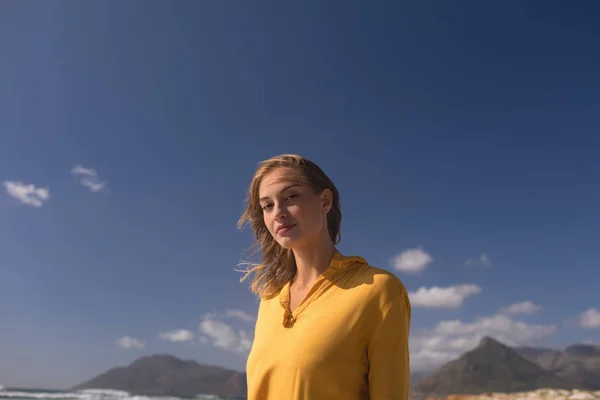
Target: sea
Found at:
87, 394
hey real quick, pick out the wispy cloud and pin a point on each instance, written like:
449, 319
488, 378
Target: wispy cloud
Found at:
239, 314
27, 194
449, 339
181, 335
231, 313
88, 177
223, 335
523, 307
203, 339
127, 342
451, 297
482, 261
411, 261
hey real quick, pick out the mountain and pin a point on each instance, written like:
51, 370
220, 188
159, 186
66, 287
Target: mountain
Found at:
578, 364
583, 350
490, 367
165, 375
543, 357
416, 377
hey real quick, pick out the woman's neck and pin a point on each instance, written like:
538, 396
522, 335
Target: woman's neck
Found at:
311, 261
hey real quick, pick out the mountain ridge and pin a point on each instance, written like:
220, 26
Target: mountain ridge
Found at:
167, 375
578, 363
490, 367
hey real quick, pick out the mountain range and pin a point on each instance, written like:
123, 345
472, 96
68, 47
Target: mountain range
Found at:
578, 364
165, 375
490, 367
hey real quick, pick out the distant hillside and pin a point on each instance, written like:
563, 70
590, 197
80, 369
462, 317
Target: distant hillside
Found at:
491, 367
165, 375
578, 364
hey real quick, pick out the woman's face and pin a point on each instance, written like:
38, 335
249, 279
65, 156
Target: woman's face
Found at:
294, 215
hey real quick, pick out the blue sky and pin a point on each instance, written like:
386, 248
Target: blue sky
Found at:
454, 131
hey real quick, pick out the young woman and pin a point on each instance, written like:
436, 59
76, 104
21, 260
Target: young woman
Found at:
329, 326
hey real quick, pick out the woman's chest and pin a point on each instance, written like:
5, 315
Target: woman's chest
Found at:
320, 338
297, 296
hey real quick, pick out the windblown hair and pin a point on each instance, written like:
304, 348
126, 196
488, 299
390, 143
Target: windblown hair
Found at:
278, 265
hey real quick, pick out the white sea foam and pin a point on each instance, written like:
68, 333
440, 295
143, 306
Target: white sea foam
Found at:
38, 395
102, 394
88, 394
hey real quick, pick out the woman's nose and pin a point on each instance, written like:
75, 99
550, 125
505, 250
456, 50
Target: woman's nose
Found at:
280, 211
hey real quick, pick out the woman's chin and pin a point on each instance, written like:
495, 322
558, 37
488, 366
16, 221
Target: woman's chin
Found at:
288, 243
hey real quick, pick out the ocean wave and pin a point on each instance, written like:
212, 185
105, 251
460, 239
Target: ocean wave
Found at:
88, 394
15, 394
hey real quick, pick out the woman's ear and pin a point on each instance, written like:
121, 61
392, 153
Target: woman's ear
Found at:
326, 200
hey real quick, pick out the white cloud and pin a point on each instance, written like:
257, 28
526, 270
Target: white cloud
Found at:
180, 335
412, 261
27, 194
482, 260
223, 336
449, 339
230, 313
128, 342
442, 297
239, 314
589, 319
524, 307
88, 177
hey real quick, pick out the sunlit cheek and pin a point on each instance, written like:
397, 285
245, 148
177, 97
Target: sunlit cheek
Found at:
294, 210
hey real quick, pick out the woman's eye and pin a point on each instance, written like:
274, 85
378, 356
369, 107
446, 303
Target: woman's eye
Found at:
266, 207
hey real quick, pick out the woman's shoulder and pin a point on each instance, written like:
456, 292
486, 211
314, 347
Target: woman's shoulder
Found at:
378, 279
385, 283
380, 289
376, 284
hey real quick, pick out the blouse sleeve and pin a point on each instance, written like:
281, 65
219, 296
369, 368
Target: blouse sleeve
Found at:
388, 353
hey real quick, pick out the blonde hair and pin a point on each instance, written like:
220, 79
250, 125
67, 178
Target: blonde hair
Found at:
278, 265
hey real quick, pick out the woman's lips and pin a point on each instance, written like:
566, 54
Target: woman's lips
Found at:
285, 228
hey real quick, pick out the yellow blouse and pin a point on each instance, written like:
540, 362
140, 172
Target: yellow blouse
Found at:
347, 340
